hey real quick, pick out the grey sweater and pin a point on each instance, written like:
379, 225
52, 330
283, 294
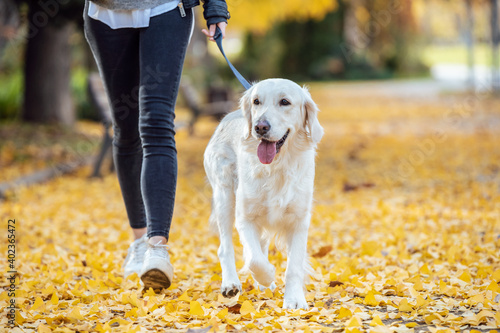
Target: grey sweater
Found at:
130, 4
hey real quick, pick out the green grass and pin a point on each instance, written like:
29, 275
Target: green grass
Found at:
11, 95
457, 54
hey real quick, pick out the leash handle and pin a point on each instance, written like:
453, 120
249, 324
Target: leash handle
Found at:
218, 40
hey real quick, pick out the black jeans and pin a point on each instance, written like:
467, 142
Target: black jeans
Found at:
141, 70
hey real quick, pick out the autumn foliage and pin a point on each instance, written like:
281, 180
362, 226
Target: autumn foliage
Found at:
405, 233
260, 15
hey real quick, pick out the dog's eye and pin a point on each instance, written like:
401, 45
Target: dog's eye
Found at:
284, 102
256, 101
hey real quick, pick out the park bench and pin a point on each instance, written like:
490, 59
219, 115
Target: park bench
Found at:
219, 103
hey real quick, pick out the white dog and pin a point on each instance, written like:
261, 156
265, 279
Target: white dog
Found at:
260, 163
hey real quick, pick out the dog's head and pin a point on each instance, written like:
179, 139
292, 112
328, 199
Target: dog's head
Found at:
278, 110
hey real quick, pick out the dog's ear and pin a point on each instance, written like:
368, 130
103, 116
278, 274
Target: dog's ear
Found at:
311, 123
246, 109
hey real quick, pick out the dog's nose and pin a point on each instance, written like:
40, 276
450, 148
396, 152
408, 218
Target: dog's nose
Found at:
262, 127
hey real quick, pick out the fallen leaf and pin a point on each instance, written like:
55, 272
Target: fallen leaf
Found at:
323, 251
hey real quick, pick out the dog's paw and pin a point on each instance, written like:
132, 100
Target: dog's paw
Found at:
272, 287
294, 303
230, 289
262, 271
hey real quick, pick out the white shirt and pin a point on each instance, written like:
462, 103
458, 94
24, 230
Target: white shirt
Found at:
138, 18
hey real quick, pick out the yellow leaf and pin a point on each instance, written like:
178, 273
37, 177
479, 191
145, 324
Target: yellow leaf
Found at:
215, 277
353, 322
150, 292
4, 296
268, 293
413, 292
493, 286
404, 306
496, 275
369, 248
222, 313
421, 301
131, 313
231, 322
184, 297
481, 316
247, 308
119, 321
20, 319
476, 299
38, 304
418, 286
54, 299
425, 269
465, 276
94, 309
141, 311
376, 321
75, 314
42, 328
411, 325
195, 309
125, 298
431, 318
442, 286
370, 299
132, 299
344, 313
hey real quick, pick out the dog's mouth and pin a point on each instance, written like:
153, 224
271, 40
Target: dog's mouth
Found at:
267, 150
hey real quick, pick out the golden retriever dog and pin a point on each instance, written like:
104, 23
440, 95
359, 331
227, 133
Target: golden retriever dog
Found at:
260, 164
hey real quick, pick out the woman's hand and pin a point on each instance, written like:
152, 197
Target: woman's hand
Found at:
211, 32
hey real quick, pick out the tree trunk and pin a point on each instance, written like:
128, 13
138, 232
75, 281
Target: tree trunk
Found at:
47, 95
9, 21
469, 41
495, 75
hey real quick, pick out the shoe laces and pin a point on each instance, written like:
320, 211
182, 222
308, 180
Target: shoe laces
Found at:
159, 250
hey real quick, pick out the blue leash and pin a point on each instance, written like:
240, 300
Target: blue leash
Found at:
218, 40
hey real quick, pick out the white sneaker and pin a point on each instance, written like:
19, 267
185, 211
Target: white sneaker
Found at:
157, 271
135, 256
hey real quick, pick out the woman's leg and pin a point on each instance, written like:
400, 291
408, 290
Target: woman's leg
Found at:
162, 49
117, 56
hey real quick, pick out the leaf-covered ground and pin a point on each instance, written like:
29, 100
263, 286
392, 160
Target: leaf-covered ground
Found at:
26, 148
405, 234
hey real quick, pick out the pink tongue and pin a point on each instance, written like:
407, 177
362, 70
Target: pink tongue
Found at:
266, 151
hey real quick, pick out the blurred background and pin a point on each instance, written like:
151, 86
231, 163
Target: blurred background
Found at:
46, 66
45, 60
